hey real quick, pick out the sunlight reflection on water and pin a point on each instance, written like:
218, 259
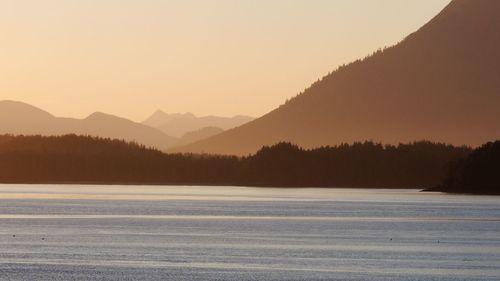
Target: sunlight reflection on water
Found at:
85, 232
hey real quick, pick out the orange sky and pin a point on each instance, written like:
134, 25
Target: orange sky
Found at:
221, 57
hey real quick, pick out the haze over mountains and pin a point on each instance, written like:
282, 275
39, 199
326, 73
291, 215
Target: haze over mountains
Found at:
201, 134
20, 118
441, 83
178, 124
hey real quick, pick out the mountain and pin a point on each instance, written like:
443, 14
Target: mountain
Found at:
21, 118
440, 83
198, 135
159, 118
178, 124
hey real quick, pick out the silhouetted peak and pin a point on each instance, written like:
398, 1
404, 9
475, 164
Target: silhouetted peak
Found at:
162, 114
440, 83
159, 112
16, 108
473, 5
100, 116
187, 114
160, 117
464, 20
465, 10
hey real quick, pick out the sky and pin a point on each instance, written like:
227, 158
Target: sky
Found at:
209, 57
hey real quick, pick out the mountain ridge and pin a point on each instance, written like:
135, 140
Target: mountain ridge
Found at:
178, 124
439, 83
20, 118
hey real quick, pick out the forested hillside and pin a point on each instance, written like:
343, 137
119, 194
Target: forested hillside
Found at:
478, 173
80, 159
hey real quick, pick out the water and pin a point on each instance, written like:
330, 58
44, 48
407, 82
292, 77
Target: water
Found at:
232, 233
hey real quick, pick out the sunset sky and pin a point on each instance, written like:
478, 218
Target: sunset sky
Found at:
220, 57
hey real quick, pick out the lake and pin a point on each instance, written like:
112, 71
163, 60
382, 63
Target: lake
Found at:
82, 232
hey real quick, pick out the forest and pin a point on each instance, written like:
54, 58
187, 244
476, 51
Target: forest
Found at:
85, 159
478, 173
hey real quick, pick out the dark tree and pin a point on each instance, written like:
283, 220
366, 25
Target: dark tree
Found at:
84, 159
479, 173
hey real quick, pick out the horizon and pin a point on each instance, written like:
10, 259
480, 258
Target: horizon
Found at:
158, 111
217, 60
250, 140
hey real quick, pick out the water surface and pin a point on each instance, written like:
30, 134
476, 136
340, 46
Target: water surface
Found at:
66, 232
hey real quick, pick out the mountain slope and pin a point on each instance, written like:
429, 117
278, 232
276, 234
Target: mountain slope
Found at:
198, 135
178, 124
159, 118
440, 83
20, 118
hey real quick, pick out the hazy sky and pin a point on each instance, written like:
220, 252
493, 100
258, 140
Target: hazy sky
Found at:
221, 57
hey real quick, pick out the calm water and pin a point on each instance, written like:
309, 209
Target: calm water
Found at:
232, 233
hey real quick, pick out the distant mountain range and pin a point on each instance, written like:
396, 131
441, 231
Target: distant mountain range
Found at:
441, 83
21, 118
194, 136
179, 124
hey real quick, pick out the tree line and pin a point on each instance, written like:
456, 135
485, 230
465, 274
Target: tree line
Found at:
478, 173
86, 159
